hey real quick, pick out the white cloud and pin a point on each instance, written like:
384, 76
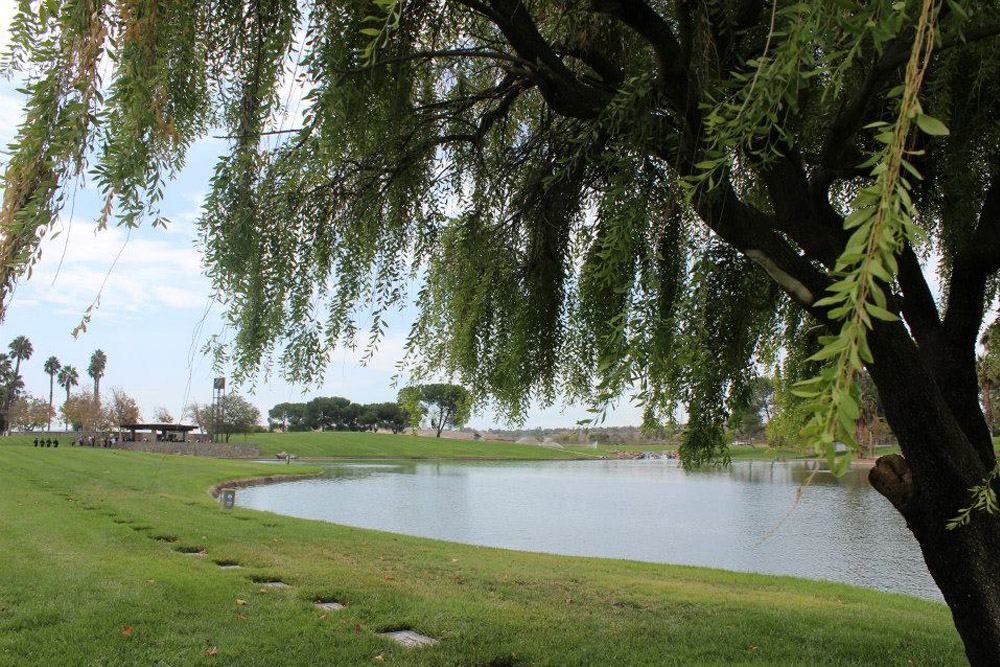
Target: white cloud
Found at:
7, 10
155, 269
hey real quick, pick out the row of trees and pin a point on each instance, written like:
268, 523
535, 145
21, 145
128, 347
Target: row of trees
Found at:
443, 405
335, 413
22, 410
85, 410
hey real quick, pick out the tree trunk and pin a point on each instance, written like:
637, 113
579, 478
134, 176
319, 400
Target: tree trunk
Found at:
52, 390
963, 562
943, 457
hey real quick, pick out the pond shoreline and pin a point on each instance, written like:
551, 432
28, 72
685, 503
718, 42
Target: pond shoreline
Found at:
263, 480
632, 510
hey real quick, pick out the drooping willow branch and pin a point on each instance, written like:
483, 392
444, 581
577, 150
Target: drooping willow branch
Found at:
883, 223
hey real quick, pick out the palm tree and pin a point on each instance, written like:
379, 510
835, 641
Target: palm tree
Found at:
20, 350
98, 362
9, 385
68, 378
52, 366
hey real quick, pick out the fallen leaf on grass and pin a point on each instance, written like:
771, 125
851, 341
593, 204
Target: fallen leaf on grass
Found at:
379, 658
212, 651
357, 628
241, 616
324, 616
753, 648
263, 590
241, 603
127, 631
150, 582
569, 600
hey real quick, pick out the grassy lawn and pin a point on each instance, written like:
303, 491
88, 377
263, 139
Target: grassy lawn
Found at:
362, 445
92, 574
346, 444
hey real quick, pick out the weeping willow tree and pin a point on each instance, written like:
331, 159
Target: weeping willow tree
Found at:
595, 198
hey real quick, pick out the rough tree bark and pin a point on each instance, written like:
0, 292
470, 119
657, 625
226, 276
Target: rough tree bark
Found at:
930, 482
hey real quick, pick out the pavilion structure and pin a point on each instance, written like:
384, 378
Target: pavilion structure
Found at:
159, 432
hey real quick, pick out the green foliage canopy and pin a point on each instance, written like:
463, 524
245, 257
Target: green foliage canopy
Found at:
586, 191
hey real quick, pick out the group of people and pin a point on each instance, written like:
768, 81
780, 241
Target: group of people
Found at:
93, 441
82, 441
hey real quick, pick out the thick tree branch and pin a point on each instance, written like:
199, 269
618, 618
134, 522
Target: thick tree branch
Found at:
752, 233
442, 53
565, 93
605, 67
853, 113
643, 19
675, 82
815, 228
971, 270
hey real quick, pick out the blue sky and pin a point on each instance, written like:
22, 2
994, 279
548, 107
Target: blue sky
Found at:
155, 311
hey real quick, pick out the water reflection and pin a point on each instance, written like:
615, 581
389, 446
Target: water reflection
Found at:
738, 518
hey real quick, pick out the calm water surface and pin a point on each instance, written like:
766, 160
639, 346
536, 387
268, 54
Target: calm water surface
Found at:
841, 529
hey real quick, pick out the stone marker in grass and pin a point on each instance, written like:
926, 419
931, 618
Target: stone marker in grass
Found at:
409, 638
330, 606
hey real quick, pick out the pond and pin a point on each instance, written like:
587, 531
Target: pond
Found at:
741, 518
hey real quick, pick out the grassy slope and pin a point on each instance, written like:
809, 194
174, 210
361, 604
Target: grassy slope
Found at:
80, 565
348, 444
367, 445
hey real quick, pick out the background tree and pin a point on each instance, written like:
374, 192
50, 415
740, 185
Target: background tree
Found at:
287, 416
327, 413
162, 416
52, 366
11, 384
29, 413
446, 405
20, 350
600, 197
68, 378
389, 416
871, 417
234, 414
98, 363
83, 411
988, 369
122, 408
750, 415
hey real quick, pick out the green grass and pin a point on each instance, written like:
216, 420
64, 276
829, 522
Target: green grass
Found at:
349, 444
81, 565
